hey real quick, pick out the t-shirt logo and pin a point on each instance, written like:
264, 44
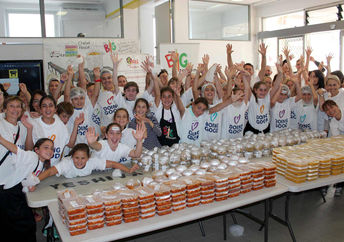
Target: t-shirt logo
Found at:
262, 109
213, 117
237, 119
109, 101
303, 118
52, 137
281, 113
194, 125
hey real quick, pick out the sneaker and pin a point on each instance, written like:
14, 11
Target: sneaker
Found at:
338, 191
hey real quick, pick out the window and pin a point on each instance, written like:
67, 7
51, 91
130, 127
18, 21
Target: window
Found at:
284, 21
271, 54
295, 46
321, 50
63, 18
323, 15
24, 25
218, 21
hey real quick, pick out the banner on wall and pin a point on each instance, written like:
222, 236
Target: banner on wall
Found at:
59, 53
188, 53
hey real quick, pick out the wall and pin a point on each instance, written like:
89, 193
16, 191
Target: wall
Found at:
243, 50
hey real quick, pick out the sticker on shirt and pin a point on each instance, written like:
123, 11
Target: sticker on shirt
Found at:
82, 129
262, 109
168, 132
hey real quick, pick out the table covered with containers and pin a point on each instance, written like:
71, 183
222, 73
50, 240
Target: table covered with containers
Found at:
184, 183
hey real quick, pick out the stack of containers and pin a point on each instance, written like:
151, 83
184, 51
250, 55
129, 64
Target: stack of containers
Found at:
313, 169
207, 189
337, 163
146, 202
269, 173
178, 194
245, 178
95, 211
257, 176
130, 205
163, 198
112, 207
234, 184
221, 186
324, 166
62, 195
297, 170
193, 191
281, 162
75, 214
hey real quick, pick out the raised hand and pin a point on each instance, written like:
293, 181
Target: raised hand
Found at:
286, 52
262, 49
140, 131
96, 73
279, 67
70, 71
205, 59
230, 72
229, 48
80, 119
91, 135
115, 59
174, 56
309, 51
25, 121
237, 96
22, 87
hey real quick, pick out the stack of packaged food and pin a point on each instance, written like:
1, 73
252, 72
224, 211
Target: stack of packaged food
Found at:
178, 194
318, 158
112, 207
95, 211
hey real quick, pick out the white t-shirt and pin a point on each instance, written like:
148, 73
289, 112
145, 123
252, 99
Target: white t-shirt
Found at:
307, 116
190, 127
187, 97
337, 126
259, 112
212, 124
87, 110
120, 155
233, 121
339, 99
128, 138
167, 113
124, 103
20, 166
57, 132
9, 131
96, 116
66, 167
280, 114
108, 107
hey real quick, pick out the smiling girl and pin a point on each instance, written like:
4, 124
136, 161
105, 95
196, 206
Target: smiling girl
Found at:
112, 148
142, 114
16, 216
50, 126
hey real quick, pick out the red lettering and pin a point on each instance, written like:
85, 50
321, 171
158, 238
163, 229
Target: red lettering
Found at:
169, 60
106, 47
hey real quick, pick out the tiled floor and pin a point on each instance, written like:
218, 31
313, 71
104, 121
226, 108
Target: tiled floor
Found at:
312, 221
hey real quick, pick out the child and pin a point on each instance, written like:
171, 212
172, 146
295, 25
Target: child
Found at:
259, 107
111, 148
142, 114
64, 110
281, 105
49, 126
307, 109
331, 108
121, 117
192, 118
233, 119
80, 163
167, 114
16, 217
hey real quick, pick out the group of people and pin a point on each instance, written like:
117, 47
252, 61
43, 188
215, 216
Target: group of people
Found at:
100, 122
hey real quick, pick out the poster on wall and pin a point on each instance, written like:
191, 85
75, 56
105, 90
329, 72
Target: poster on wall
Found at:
188, 53
59, 53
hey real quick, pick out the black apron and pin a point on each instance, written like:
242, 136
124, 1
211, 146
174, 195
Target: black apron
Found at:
169, 134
